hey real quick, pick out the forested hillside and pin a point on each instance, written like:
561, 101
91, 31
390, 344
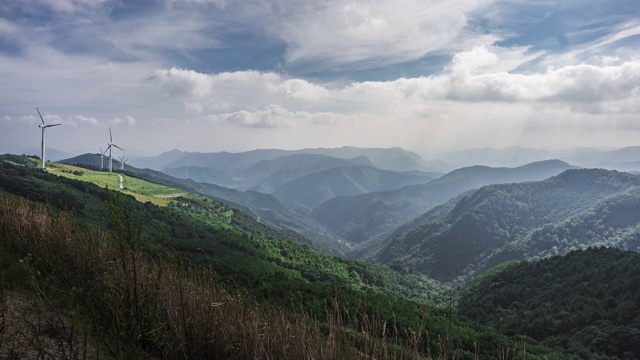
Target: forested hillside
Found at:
497, 223
587, 302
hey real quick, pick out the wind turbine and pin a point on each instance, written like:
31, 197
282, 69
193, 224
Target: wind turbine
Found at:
122, 161
111, 144
43, 127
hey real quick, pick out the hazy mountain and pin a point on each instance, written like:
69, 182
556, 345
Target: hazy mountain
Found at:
200, 174
268, 175
246, 170
314, 189
497, 223
395, 159
369, 216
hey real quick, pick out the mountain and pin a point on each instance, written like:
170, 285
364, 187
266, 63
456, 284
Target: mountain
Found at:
268, 175
365, 217
314, 189
248, 170
200, 174
586, 302
394, 159
498, 223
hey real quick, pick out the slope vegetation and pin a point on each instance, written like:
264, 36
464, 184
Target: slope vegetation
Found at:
497, 223
587, 302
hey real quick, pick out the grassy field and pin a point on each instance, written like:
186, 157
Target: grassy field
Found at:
142, 190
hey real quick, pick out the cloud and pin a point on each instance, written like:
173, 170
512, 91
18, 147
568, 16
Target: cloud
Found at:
81, 120
127, 120
273, 116
481, 74
370, 34
276, 116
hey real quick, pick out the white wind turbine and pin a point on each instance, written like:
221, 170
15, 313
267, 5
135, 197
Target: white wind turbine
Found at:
101, 158
111, 144
122, 161
43, 127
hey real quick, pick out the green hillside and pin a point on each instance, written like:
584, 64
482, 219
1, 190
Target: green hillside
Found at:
243, 249
289, 218
587, 302
497, 223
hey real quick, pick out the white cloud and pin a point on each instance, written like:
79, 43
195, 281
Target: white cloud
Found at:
127, 120
301, 89
374, 33
273, 116
478, 75
276, 116
81, 120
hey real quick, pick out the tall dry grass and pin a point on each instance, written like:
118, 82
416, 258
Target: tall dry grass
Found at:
144, 307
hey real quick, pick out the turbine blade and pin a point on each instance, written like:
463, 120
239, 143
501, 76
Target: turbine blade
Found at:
41, 119
114, 145
51, 125
110, 137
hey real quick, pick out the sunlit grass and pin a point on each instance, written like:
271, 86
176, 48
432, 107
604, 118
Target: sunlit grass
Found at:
142, 190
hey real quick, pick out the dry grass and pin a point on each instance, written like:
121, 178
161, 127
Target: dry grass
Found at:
141, 307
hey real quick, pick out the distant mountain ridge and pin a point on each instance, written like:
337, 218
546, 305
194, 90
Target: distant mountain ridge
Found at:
366, 217
243, 171
314, 189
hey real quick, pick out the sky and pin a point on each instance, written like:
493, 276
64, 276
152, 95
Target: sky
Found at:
224, 75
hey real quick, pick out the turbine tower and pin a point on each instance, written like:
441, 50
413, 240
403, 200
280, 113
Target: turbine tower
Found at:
101, 158
110, 145
122, 161
43, 127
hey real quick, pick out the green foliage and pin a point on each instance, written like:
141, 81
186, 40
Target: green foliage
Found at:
498, 223
243, 252
586, 302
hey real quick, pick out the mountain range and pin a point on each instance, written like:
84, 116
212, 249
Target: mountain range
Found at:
533, 220
366, 217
